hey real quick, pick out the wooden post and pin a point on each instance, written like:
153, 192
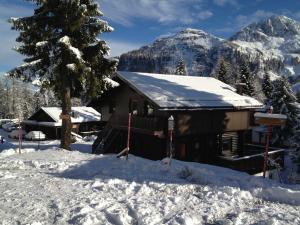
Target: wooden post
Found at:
20, 136
269, 120
128, 135
39, 140
170, 132
266, 156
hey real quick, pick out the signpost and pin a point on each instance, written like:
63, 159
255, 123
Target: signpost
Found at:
128, 135
171, 126
269, 120
20, 136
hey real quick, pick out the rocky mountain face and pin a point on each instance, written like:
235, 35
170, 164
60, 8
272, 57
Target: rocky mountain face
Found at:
276, 39
271, 45
194, 46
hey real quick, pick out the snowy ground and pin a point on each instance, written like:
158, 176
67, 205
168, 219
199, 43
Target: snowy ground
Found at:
53, 186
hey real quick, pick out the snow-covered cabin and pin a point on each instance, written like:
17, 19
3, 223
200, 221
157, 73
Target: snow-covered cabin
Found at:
212, 121
47, 119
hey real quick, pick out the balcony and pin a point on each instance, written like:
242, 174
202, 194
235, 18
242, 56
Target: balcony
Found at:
146, 125
252, 159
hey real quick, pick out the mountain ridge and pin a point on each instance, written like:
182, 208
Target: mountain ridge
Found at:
270, 45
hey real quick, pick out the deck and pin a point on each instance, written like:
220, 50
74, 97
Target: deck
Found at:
145, 125
252, 160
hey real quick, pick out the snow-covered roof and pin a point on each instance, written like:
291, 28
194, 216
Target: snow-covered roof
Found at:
178, 92
80, 114
270, 116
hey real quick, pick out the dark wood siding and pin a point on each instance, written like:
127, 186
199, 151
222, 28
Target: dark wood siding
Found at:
214, 121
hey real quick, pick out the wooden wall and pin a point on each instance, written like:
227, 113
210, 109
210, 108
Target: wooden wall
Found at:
122, 100
214, 121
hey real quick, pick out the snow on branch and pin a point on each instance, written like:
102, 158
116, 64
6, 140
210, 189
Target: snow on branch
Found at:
67, 43
41, 43
71, 66
27, 71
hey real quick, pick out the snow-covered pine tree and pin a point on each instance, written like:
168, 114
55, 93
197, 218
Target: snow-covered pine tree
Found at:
27, 104
284, 102
247, 79
7, 99
267, 86
222, 73
45, 97
180, 68
233, 73
16, 99
298, 96
63, 51
296, 146
2, 100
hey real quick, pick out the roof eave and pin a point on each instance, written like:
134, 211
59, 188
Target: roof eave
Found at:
207, 108
49, 114
136, 89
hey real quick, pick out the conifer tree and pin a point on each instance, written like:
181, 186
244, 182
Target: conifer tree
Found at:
2, 100
296, 146
247, 79
180, 68
62, 49
298, 96
222, 72
267, 86
283, 102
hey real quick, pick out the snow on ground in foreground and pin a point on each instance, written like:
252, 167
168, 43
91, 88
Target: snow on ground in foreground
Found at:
60, 187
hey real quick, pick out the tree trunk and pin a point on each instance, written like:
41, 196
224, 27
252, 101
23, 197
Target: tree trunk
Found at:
66, 115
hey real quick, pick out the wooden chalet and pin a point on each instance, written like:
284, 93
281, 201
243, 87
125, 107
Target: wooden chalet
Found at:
47, 119
212, 122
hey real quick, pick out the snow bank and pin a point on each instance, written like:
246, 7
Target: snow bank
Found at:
137, 169
256, 186
278, 194
11, 151
62, 187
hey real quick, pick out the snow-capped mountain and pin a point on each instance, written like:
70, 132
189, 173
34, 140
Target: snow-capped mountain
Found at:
192, 45
271, 45
277, 37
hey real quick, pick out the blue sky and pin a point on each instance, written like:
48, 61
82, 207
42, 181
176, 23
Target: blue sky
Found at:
139, 22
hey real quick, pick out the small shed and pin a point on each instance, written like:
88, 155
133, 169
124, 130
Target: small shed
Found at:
47, 119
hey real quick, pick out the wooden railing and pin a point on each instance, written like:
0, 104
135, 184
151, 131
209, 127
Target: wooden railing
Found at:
252, 161
138, 122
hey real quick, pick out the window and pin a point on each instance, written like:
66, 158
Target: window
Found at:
148, 109
133, 107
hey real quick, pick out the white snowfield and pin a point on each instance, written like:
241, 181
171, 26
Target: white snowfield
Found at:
54, 186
